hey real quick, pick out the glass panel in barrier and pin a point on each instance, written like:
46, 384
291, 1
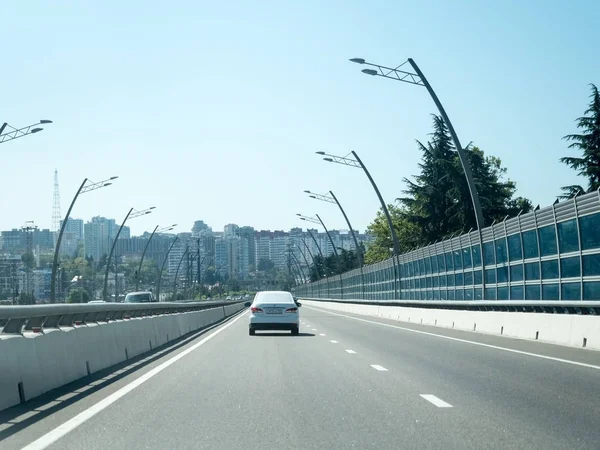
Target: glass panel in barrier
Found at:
589, 227
547, 240
515, 250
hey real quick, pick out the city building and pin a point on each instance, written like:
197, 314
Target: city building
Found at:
248, 234
98, 235
200, 228
230, 230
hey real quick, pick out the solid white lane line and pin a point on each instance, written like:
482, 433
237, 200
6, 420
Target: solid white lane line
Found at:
334, 342
352, 352
436, 401
54, 435
465, 341
378, 367
322, 334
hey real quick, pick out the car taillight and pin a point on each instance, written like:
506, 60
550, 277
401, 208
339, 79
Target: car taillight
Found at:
254, 309
291, 310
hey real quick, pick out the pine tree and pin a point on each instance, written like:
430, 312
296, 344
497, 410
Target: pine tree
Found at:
588, 165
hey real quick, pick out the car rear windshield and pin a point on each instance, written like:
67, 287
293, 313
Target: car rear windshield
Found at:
274, 298
137, 298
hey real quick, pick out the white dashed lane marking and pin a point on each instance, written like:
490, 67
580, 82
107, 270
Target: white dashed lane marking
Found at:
379, 368
334, 342
436, 401
352, 352
322, 334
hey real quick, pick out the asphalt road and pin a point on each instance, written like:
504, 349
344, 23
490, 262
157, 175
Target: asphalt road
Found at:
345, 382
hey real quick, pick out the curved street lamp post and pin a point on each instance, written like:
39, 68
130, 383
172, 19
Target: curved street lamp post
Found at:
177, 271
158, 281
86, 186
357, 162
335, 252
331, 198
418, 79
139, 271
132, 214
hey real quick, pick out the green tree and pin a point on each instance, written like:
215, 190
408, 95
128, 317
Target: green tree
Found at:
28, 260
333, 265
265, 265
78, 295
588, 143
408, 234
438, 202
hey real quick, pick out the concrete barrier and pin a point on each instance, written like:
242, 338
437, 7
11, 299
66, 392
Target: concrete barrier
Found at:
33, 364
563, 329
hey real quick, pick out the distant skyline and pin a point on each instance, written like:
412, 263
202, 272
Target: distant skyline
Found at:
213, 111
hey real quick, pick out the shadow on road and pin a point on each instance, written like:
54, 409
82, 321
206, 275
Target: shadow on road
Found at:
258, 334
19, 417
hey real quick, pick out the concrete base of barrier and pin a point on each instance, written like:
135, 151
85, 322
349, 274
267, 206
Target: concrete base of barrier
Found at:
562, 329
36, 363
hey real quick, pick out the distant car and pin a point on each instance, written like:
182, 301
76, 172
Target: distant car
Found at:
228, 297
140, 297
274, 310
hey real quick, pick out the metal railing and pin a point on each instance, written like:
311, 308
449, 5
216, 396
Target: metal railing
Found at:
548, 255
37, 318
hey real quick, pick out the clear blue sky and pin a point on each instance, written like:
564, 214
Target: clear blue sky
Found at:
213, 110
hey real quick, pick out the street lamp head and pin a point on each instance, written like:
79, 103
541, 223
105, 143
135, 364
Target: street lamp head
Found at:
307, 192
320, 153
298, 214
106, 184
36, 130
312, 196
152, 207
328, 159
147, 212
113, 178
369, 71
357, 60
45, 121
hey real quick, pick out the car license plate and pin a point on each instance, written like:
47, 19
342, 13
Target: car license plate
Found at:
274, 311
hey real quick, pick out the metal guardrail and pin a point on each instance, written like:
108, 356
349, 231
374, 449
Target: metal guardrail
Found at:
551, 307
36, 318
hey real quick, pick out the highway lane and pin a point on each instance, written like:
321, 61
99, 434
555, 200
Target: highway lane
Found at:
342, 384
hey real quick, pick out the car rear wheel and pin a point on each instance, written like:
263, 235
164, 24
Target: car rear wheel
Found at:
251, 332
295, 331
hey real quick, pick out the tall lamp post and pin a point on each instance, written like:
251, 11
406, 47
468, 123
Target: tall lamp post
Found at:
156, 230
86, 186
305, 259
132, 214
295, 258
311, 219
322, 258
16, 133
319, 221
177, 271
331, 198
162, 267
357, 162
418, 79
317, 245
